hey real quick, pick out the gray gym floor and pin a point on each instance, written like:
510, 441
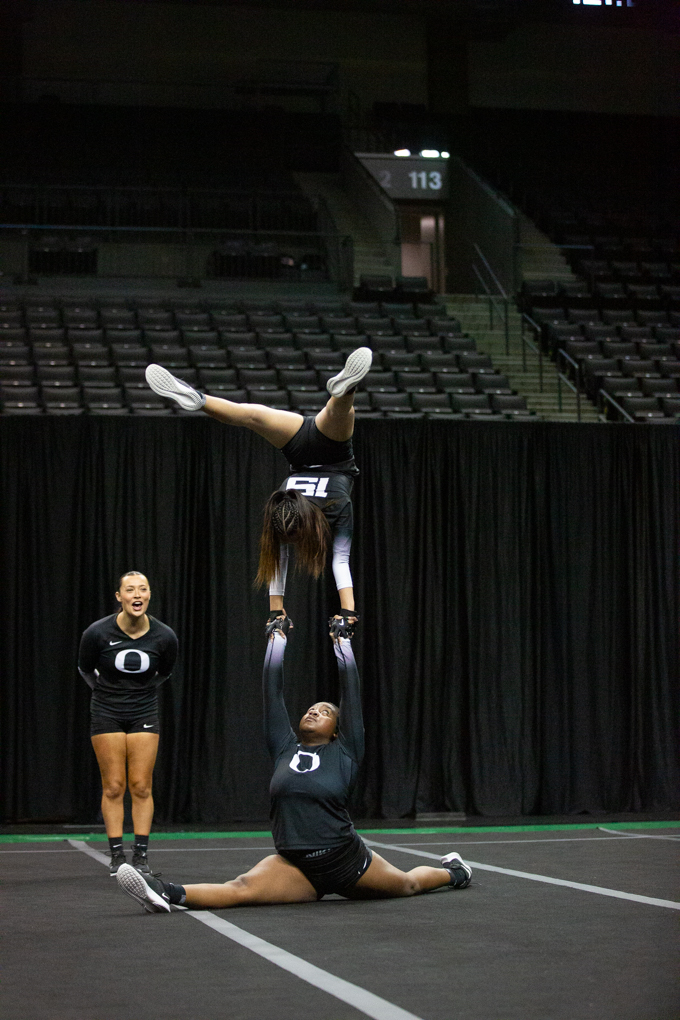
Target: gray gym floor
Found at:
513, 946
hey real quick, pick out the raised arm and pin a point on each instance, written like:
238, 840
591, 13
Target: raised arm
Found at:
277, 589
342, 543
277, 728
351, 716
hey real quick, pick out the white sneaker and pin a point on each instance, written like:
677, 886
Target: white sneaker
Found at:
356, 367
166, 385
461, 873
135, 885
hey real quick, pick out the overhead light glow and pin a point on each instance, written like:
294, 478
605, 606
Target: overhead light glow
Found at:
444, 155
430, 153
402, 152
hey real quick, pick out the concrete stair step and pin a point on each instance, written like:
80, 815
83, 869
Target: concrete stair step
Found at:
474, 319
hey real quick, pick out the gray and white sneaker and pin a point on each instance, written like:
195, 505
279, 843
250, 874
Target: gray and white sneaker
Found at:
461, 873
165, 384
146, 890
356, 367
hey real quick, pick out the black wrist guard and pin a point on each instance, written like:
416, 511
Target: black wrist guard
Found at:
340, 627
278, 621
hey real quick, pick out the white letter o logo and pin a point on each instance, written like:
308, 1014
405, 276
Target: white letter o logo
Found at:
144, 661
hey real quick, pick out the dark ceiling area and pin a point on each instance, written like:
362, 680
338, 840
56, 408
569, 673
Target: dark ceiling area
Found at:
664, 14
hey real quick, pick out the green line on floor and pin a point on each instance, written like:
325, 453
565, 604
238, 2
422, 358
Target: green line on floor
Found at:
100, 837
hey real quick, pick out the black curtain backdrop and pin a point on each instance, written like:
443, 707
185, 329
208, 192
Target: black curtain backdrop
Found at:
519, 593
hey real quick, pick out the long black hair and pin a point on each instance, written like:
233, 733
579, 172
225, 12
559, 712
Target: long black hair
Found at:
291, 518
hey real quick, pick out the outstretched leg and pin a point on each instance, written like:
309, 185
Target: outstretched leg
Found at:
336, 420
382, 880
276, 426
273, 880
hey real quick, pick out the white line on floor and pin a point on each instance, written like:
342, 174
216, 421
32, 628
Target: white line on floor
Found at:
495, 842
80, 844
600, 890
637, 835
368, 1003
360, 998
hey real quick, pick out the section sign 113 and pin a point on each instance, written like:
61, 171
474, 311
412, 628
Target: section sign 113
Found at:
404, 177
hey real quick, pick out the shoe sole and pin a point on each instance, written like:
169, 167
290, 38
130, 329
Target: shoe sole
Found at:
165, 384
455, 858
356, 367
134, 885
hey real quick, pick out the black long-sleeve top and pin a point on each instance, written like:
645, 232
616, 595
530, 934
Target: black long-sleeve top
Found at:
311, 784
122, 671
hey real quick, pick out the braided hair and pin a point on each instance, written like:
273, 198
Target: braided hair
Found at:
286, 518
292, 519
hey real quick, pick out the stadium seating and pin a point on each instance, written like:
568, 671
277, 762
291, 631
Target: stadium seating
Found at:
62, 358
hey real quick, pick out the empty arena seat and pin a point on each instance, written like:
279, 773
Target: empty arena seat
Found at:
279, 399
306, 400
430, 402
258, 378
208, 356
512, 404
379, 380
170, 355
423, 344
386, 343
230, 322
493, 383
391, 401
118, 318
286, 357
401, 361
325, 360
422, 382
247, 357
455, 382
475, 403
298, 379
212, 380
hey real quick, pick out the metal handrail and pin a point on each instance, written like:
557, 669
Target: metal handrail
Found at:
535, 347
608, 397
492, 300
561, 377
491, 272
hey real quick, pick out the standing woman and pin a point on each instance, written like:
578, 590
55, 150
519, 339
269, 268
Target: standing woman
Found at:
312, 510
124, 658
318, 850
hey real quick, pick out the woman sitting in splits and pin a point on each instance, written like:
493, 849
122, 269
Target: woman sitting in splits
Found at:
317, 848
314, 503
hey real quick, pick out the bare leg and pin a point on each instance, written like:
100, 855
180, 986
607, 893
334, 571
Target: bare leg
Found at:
336, 420
383, 880
142, 749
110, 749
273, 880
277, 427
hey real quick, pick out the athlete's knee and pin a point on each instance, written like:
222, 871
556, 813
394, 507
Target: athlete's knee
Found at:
411, 886
113, 789
241, 887
140, 789
253, 415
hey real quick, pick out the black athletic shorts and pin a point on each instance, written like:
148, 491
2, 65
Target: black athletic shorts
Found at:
310, 448
101, 722
333, 870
